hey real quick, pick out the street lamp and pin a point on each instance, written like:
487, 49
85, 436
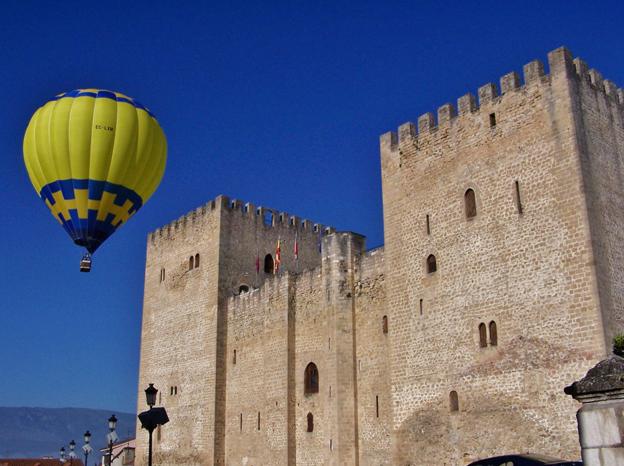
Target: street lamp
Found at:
62, 455
72, 455
152, 418
87, 447
112, 423
150, 395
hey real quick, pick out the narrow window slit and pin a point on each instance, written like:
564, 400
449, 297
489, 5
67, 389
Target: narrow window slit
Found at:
454, 401
518, 198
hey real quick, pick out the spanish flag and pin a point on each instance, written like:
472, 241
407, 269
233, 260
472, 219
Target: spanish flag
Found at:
278, 257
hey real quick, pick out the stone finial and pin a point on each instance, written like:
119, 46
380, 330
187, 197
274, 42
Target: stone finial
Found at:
610, 88
581, 68
509, 82
406, 131
533, 71
445, 113
487, 93
595, 78
603, 381
560, 61
425, 122
466, 104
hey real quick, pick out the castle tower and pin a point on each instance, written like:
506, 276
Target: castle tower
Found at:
504, 246
193, 265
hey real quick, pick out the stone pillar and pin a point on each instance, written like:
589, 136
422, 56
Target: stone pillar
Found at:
601, 418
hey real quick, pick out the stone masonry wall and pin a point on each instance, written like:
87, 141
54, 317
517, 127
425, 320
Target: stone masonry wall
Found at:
600, 133
297, 319
257, 363
529, 270
373, 371
185, 326
179, 335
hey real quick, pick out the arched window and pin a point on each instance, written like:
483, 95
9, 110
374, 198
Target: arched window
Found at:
243, 289
311, 379
453, 401
470, 203
432, 266
310, 422
191, 262
196, 260
493, 334
482, 335
384, 324
268, 263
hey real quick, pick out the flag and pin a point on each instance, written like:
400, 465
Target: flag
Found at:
278, 257
296, 247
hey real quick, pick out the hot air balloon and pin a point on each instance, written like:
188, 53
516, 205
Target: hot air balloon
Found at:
94, 157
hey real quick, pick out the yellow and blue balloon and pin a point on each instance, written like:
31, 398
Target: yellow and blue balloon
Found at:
94, 157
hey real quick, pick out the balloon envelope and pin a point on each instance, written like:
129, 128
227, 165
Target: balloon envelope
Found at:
94, 157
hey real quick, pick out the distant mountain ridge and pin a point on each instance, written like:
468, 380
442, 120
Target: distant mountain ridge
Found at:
37, 432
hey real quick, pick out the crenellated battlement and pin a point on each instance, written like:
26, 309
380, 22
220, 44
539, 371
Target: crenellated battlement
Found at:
533, 73
270, 217
271, 286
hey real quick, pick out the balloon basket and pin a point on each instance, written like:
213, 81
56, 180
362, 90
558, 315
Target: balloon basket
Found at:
85, 263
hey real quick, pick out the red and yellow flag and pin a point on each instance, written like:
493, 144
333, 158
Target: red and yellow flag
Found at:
278, 257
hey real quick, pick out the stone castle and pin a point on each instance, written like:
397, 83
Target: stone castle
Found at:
499, 283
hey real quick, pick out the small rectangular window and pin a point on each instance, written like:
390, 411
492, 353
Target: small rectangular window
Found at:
492, 120
377, 405
421, 306
518, 198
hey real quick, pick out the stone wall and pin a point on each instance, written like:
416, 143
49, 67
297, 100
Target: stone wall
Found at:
599, 119
330, 316
184, 348
529, 269
178, 339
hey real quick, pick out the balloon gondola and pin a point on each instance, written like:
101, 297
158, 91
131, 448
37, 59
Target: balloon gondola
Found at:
85, 263
94, 157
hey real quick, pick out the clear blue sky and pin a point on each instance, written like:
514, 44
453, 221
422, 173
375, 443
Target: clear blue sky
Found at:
278, 103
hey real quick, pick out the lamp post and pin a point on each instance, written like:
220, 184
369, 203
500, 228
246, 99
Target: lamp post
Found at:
153, 417
87, 447
62, 455
150, 396
72, 455
112, 423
